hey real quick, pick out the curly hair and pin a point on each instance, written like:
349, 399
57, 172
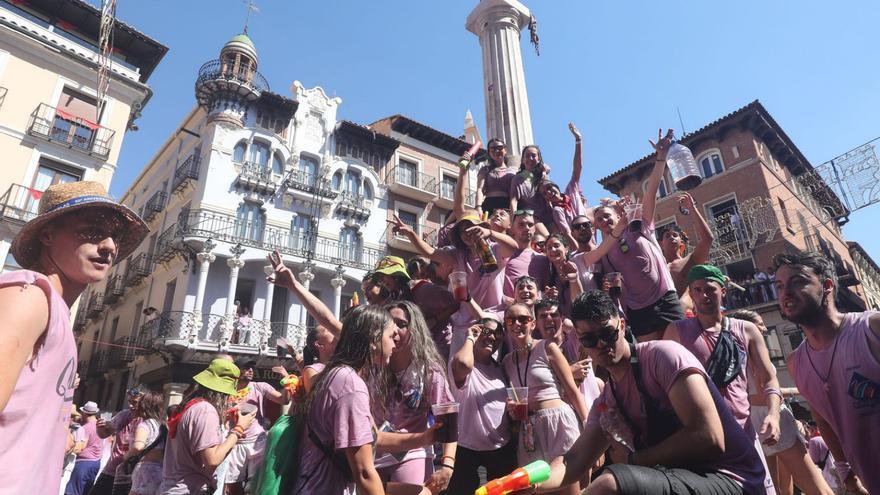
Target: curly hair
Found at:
594, 306
817, 262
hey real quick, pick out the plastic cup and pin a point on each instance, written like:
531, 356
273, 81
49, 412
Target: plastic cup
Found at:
633, 212
106, 416
458, 286
615, 280
520, 398
446, 413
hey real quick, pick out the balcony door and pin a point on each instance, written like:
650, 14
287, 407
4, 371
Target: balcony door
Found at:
49, 173
75, 119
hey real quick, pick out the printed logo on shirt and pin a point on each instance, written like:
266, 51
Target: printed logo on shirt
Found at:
866, 392
66, 380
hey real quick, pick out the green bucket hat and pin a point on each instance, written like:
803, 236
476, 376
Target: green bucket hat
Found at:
706, 272
221, 376
392, 265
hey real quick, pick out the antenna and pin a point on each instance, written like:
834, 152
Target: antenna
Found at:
251, 7
680, 121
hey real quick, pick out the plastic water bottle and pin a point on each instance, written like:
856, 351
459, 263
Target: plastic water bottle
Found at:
683, 167
613, 424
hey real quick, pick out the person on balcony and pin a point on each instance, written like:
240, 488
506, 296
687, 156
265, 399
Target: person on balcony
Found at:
77, 235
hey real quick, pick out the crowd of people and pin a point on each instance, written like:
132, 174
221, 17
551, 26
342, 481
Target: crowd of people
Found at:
537, 328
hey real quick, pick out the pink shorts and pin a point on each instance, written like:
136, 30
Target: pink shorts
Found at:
413, 471
555, 432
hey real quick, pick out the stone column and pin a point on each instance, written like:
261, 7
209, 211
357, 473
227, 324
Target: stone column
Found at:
305, 277
338, 282
498, 24
205, 258
235, 264
267, 311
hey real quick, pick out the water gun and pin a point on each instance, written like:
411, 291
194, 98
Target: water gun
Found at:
355, 301
524, 477
291, 383
472, 151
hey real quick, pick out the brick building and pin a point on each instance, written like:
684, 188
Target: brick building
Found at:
757, 202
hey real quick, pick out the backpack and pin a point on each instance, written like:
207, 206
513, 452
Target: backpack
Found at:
280, 466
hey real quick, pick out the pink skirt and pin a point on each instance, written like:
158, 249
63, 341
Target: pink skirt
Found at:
555, 431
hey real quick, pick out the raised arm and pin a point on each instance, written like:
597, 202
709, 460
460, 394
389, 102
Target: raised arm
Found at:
593, 257
701, 250
507, 246
577, 164
421, 246
462, 362
460, 195
283, 277
766, 382
661, 147
481, 181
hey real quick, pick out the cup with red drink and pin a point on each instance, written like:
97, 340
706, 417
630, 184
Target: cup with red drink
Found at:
615, 283
447, 414
458, 286
518, 397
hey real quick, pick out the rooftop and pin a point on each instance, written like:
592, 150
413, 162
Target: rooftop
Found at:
427, 134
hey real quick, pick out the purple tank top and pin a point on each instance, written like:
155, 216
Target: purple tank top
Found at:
646, 276
496, 183
527, 198
538, 375
701, 343
851, 402
33, 427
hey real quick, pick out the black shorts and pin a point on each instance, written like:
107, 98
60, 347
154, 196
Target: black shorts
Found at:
657, 316
641, 480
494, 203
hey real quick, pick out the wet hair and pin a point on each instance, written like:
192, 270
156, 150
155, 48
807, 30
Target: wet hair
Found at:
538, 173
216, 399
421, 344
594, 306
545, 303
309, 354
528, 309
524, 279
672, 227
362, 330
745, 315
821, 265
560, 237
151, 406
415, 265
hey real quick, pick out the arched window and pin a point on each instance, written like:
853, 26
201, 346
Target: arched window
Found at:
710, 163
309, 168
250, 220
336, 182
349, 244
277, 164
300, 232
352, 182
368, 191
239, 151
260, 154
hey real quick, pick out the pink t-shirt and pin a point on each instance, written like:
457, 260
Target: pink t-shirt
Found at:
124, 424
183, 472
589, 279
257, 391
646, 276
94, 444
563, 216
526, 262
34, 424
483, 422
409, 405
435, 300
340, 418
485, 288
662, 362
537, 374
692, 336
851, 403
528, 198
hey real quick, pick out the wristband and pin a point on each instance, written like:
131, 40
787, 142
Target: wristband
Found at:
238, 430
451, 468
472, 339
773, 391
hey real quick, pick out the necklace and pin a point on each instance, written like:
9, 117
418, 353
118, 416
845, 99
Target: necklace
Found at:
830, 365
524, 377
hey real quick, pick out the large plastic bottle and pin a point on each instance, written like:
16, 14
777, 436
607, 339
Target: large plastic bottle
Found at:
613, 424
524, 477
683, 167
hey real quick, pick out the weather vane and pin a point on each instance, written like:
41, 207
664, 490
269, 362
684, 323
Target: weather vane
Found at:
251, 7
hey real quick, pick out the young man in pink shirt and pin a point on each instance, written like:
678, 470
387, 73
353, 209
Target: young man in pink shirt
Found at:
837, 367
78, 233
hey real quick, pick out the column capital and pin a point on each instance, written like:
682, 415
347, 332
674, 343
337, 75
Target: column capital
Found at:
306, 277
234, 263
337, 283
206, 257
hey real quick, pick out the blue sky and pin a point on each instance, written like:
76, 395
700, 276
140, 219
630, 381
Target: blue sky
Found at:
617, 69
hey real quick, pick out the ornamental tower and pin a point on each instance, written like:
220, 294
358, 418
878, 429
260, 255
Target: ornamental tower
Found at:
228, 85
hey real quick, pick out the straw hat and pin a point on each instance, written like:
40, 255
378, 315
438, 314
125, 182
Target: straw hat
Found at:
61, 199
89, 408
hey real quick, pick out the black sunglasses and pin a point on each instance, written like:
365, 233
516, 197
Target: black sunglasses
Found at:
526, 212
581, 226
607, 334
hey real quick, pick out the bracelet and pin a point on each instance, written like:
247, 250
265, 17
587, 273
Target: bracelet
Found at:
451, 468
238, 430
447, 457
773, 391
472, 339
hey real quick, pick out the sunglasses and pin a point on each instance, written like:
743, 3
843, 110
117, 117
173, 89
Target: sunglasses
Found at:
581, 226
521, 319
496, 148
525, 212
487, 331
607, 334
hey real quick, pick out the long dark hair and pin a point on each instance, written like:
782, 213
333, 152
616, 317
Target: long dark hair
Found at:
217, 399
310, 355
362, 330
421, 345
152, 406
538, 173
491, 163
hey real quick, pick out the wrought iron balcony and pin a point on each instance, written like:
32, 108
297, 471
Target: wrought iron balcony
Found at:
293, 333
155, 205
259, 178
60, 127
115, 289
19, 203
355, 255
165, 247
95, 306
310, 183
218, 76
79, 322
123, 352
354, 205
138, 268
187, 172
427, 233
98, 362
415, 185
